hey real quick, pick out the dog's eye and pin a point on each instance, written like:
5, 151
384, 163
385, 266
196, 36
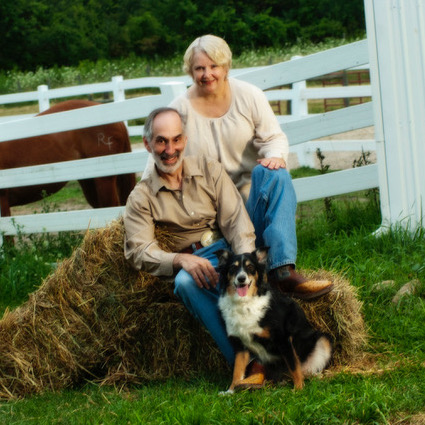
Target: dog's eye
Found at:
250, 268
233, 269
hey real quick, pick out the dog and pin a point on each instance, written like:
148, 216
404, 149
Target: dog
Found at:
262, 322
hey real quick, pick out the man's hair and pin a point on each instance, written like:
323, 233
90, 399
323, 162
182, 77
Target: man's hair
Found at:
215, 47
148, 128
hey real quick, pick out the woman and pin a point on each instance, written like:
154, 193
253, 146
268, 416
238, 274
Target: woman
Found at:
232, 121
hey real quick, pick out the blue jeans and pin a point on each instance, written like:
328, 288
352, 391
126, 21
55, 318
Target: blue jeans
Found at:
272, 205
202, 303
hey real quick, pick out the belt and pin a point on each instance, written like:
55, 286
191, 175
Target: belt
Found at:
207, 238
192, 248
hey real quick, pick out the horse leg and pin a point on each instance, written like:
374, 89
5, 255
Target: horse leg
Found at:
89, 190
125, 184
5, 212
101, 192
4, 203
107, 191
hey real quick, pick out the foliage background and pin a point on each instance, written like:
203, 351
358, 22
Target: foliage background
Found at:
50, 33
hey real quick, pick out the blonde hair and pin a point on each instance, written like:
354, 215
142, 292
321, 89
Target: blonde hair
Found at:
215, 47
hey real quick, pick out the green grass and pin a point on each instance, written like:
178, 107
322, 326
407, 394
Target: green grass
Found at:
25, 263
343, 399
336, 235
72, 191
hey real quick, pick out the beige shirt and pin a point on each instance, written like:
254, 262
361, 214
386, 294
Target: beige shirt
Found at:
208, 200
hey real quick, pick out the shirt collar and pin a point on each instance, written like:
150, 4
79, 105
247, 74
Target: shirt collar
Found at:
190, 169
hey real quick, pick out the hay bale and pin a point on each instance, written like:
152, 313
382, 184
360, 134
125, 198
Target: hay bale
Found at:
97, 318
338, 313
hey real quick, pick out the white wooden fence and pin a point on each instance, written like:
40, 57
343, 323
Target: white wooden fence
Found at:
300, 128
298, 95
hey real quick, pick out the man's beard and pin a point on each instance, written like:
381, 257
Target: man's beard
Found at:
167, 169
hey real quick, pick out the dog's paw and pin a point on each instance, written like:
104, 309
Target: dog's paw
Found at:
228, 392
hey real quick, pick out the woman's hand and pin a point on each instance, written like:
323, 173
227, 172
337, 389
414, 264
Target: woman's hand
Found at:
272, 163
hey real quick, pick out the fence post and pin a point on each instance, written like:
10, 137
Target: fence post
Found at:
172, 89
43, 98
299, 103
305, 154
299, 109
117, 90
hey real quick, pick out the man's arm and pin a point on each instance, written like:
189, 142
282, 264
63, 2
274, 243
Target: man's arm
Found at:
141, 248
144, 253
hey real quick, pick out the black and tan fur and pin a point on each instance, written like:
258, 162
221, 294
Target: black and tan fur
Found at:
263, 323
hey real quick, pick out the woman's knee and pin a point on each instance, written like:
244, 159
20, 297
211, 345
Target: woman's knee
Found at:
279, 177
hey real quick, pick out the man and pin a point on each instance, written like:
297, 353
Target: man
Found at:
194, 199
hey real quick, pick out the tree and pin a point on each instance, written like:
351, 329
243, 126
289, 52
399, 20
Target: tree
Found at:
59, 32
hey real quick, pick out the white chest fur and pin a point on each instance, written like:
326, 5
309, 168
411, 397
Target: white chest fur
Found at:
242, 316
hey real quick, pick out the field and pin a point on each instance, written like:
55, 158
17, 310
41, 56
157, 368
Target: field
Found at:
386, 386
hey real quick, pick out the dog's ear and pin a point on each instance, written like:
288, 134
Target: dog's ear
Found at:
223, 255
261, 254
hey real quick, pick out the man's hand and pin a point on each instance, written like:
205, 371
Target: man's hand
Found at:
199, 268
272, 163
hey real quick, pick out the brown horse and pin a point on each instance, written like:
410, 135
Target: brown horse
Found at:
65, 146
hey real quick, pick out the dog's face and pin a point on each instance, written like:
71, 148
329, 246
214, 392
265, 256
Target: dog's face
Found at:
242, 275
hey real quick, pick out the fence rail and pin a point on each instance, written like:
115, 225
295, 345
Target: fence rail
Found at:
300, 128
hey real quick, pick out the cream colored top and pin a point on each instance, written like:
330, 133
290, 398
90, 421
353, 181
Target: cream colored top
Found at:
207, 200
247, 131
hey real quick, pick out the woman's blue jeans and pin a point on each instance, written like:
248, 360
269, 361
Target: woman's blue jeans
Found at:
271, 206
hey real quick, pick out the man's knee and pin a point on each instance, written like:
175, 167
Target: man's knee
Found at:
184, 284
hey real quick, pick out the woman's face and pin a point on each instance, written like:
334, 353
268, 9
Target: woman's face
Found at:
207, 75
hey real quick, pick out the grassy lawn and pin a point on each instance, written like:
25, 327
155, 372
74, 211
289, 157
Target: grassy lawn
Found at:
343, 399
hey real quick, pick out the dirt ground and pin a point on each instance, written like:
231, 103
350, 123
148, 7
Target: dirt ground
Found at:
340, 160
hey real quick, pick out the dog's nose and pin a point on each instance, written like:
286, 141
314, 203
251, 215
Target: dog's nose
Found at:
241, 278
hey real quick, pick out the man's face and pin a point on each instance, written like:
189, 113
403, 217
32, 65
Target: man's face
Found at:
168, 142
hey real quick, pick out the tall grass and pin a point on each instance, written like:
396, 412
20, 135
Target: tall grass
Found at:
27, 259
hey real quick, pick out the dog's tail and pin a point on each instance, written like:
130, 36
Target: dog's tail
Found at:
319, 358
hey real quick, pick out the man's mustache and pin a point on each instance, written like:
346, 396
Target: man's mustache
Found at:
165, 156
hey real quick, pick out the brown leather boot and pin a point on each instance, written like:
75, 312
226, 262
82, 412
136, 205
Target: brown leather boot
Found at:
292, 284
255, 377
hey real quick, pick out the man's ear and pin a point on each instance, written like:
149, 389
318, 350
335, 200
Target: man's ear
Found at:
148, 148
